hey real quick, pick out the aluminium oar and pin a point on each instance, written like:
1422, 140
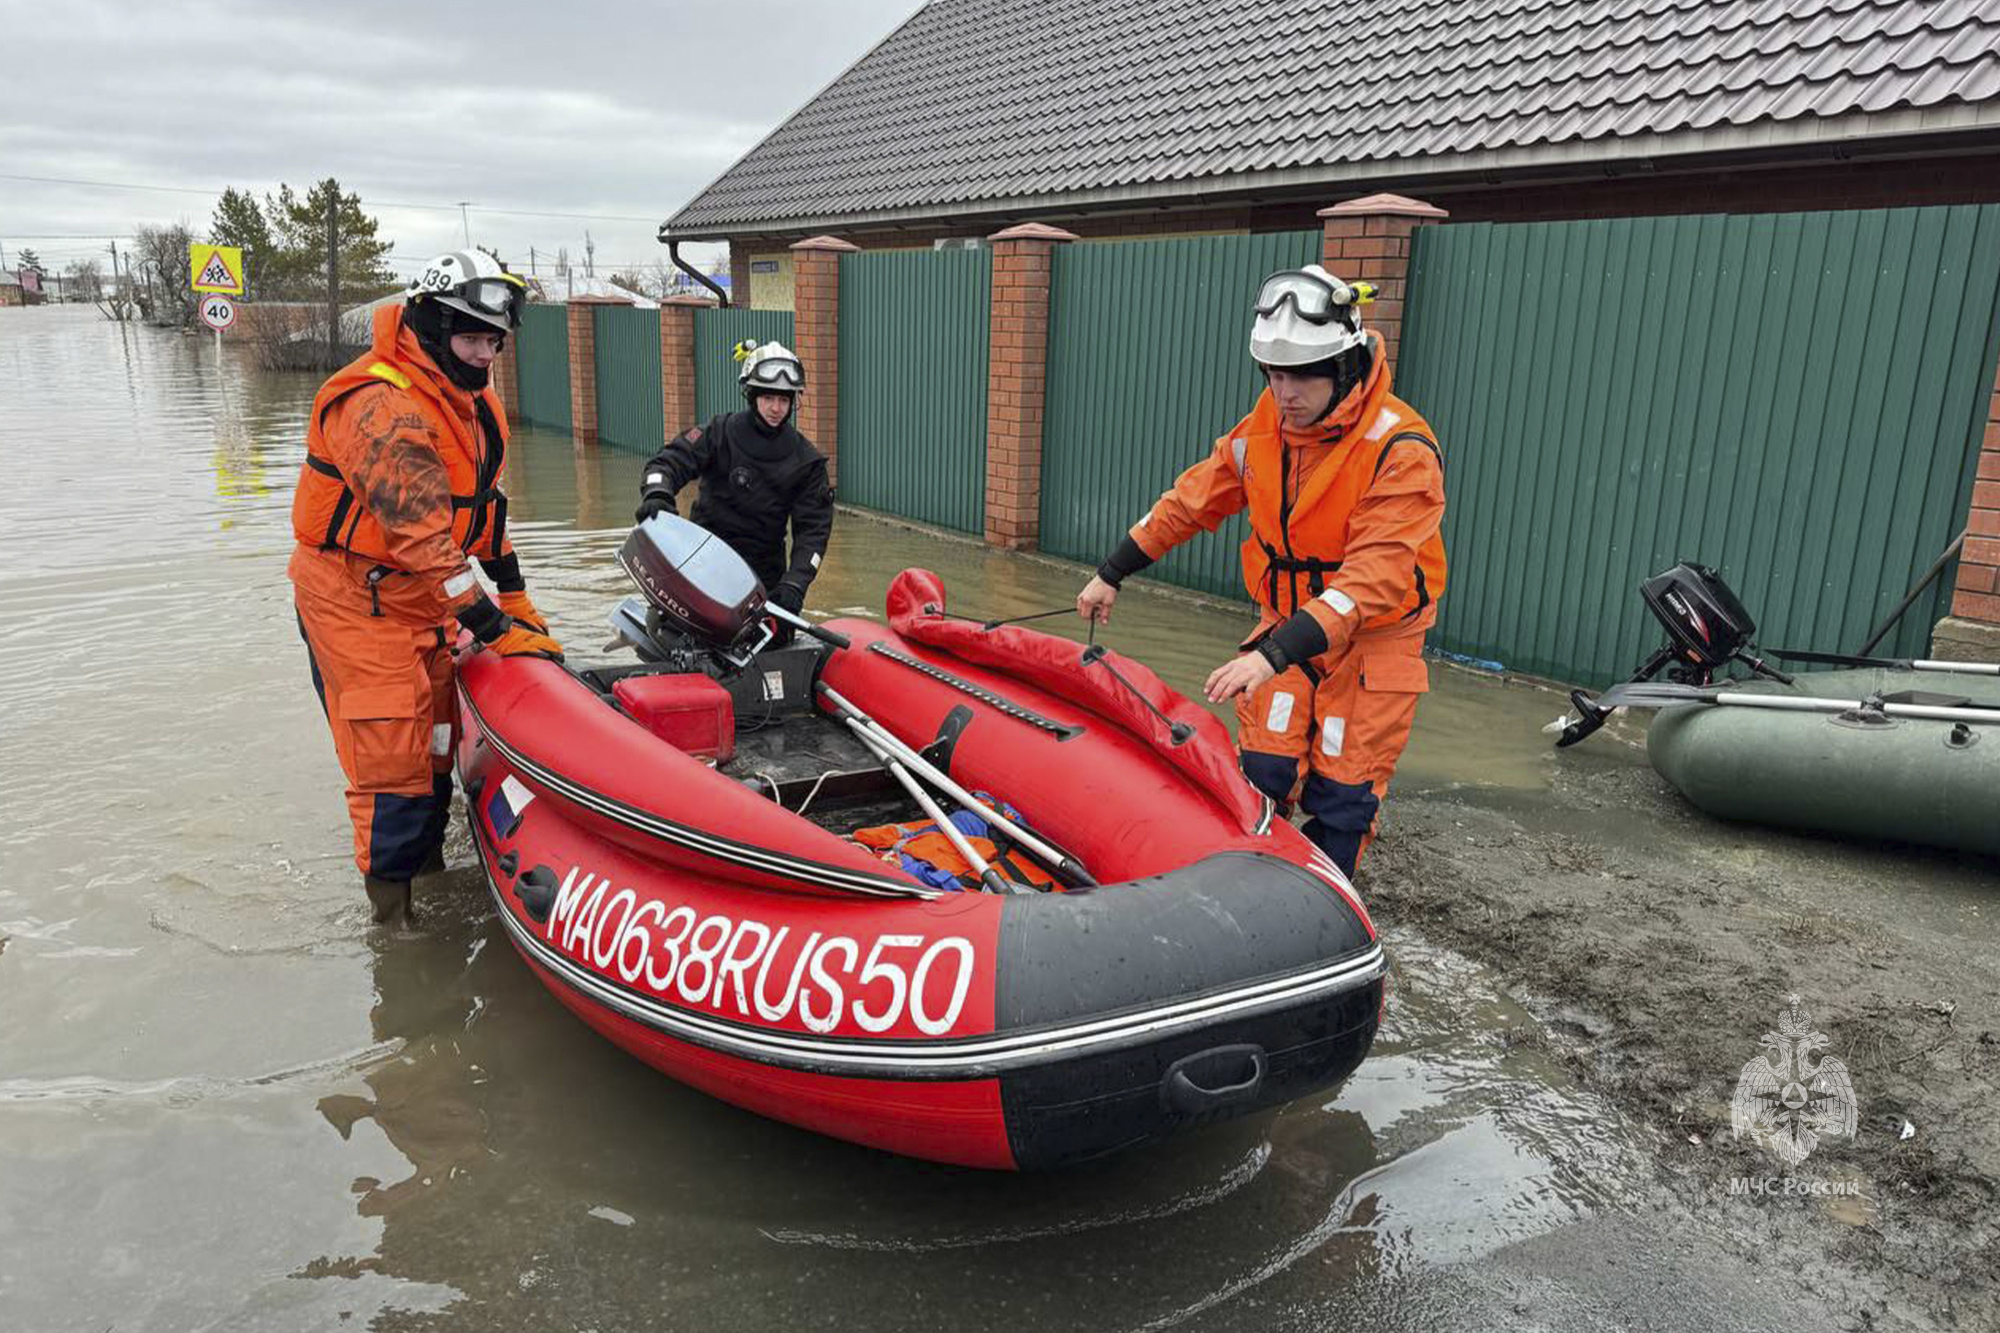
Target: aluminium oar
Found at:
1066, 867
1660, 695
1889, 663
994, 881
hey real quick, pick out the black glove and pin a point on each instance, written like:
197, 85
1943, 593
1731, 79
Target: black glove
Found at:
655, 502
790, 596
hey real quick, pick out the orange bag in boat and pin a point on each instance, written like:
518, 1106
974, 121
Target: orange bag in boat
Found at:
926, 853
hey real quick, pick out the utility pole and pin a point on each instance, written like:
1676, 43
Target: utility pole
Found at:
332, 279
465, 221
117, 294
532, 271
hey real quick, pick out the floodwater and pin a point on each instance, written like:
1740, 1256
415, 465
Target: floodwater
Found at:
227, 1103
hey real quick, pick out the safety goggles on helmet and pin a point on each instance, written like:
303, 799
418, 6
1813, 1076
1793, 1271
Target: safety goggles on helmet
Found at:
1312, 298
777, 373
493, 296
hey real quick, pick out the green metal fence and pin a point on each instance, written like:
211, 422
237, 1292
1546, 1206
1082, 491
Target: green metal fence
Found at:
716, 333
542, 358
1794, 399
913, 367
1148, 364
628, 378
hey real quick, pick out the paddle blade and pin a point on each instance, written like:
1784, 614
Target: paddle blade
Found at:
1654, 694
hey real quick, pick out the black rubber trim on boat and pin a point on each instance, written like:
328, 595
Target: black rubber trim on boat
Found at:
1233, 914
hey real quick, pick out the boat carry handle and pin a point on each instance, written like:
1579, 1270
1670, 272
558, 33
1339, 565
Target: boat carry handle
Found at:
1212, 1079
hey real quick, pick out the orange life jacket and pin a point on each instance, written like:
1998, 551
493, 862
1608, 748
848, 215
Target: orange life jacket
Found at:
925, 842
326, 513
1297, 541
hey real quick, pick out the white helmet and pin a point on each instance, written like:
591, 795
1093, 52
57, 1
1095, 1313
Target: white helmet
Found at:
474, 283
770, 368
1306, 315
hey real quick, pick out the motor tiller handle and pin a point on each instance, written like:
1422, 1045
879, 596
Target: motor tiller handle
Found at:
804, 626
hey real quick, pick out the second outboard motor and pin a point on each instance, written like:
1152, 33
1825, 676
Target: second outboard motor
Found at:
1707, 628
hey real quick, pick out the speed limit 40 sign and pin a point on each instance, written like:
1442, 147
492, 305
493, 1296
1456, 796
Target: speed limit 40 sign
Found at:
218, 312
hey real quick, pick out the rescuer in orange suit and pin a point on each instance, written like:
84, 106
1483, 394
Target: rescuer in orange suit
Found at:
398, 495
1345, 487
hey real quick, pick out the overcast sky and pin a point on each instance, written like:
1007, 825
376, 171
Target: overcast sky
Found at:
567, 106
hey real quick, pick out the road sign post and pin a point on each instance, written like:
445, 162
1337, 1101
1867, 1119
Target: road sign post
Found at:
218, 312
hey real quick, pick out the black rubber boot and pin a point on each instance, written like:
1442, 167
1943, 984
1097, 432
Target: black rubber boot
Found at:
391, 900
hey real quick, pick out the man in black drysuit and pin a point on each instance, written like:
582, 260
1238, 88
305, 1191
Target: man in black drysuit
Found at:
757, 473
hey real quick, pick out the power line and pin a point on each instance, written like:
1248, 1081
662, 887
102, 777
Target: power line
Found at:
372, 203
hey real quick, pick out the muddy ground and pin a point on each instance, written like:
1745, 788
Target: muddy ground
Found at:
1658, 944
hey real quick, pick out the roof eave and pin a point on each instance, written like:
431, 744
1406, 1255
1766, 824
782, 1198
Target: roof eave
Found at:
1878, 130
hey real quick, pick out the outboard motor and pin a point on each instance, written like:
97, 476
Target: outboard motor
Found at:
700, 599
697, 594
1707, 628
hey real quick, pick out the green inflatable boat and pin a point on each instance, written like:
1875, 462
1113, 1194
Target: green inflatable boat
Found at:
1916, 769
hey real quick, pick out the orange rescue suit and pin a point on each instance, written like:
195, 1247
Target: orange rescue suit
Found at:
1345, 522
398, 489
472, 444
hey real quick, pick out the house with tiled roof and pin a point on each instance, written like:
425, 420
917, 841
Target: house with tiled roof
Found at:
1154, 117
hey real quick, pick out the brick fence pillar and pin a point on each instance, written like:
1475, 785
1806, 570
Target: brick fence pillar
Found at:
506, 376
739, 273
1369, 239
1971, 633
677, 410
816, 328
1016, 382
583, 372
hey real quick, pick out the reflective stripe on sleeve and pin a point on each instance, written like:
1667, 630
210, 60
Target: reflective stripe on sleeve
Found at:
1280, 716
1338, 600
461, 583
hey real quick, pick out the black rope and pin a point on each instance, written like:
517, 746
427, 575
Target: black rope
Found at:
989, 625
1180, 731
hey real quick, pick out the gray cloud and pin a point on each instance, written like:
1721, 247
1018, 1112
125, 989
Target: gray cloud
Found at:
579, 107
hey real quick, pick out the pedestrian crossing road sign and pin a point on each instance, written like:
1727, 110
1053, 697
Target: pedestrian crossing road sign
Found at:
216, 268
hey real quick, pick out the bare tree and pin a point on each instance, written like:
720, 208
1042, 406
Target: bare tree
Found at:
159, 260
85, 279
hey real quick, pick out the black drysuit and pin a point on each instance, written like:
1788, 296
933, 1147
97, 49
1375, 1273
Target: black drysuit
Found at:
754, 480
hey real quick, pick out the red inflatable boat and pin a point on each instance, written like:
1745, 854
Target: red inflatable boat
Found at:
665, 844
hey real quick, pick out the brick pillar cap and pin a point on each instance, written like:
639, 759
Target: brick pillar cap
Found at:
1397, 204
825, 243
595, 300
689, 300
1032, 231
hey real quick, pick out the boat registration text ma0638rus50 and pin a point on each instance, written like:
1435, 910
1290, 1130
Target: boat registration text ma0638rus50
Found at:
743, 968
